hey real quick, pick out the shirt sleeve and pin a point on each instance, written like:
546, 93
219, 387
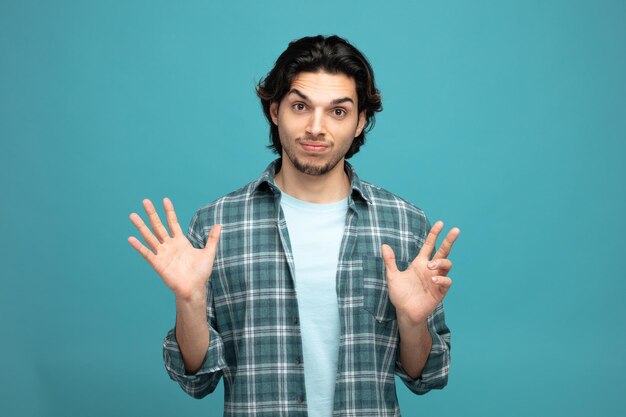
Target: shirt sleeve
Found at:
435, 372
205, 380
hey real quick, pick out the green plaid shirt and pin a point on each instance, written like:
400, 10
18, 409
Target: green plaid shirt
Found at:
252, 306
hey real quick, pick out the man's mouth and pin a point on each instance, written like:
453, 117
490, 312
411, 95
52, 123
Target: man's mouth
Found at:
313, 146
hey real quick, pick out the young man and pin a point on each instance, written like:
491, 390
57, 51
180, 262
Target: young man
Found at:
303, 288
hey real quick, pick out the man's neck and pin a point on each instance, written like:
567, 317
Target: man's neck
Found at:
320, 189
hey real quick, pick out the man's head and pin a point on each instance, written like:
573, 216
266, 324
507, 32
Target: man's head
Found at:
330, 83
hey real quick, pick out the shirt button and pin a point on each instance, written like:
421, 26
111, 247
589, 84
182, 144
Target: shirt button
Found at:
298, 360
295, 320
300, 399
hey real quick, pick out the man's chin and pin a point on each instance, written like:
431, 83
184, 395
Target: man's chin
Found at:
311, 169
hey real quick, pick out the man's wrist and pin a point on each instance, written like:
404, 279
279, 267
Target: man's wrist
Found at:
194, 297
406, 320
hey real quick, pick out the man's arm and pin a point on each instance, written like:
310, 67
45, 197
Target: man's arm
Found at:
185, 269
192, 331
415, 345
202, 377
417, 294
434, 373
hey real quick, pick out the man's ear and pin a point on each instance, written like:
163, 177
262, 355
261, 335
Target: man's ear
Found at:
274, 112
361, 124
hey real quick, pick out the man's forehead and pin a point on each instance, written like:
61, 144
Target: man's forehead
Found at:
323, 85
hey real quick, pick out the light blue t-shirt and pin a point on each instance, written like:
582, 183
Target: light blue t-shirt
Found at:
315, 232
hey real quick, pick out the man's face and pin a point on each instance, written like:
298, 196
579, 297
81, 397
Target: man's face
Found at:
317, 121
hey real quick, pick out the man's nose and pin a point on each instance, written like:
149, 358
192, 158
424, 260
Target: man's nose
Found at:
316, 125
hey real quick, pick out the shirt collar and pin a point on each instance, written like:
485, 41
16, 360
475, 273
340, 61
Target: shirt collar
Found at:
266, 181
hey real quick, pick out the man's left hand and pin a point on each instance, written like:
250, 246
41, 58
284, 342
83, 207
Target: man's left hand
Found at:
416, 292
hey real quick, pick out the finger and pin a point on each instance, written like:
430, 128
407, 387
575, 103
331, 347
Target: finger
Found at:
155, 221
431, 240
145, 252
446, 245
442, 282
390, 259
172, 220
211, 243
147, 235
444, 265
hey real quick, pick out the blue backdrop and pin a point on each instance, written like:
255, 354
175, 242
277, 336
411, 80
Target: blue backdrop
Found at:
507, 119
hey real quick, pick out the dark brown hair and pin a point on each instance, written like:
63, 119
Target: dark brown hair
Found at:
331, 54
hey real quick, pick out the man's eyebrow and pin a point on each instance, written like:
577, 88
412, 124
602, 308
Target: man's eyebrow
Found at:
334, 102
343, 100
298, 93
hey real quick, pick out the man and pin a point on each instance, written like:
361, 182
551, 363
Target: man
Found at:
300, 288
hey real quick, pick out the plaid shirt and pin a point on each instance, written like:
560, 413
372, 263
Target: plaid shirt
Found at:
252, 306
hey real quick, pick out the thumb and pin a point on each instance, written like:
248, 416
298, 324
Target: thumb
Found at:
211, 243
389, 258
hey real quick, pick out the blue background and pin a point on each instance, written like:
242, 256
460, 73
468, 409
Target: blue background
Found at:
507, 119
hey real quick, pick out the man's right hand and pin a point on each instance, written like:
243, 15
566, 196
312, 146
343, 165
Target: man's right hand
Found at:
183, 268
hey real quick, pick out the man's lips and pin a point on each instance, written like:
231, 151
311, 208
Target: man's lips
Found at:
314, 146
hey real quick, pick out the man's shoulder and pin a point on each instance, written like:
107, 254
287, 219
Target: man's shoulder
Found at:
381, 197
229, 209
257, 190
233, 200
390, 211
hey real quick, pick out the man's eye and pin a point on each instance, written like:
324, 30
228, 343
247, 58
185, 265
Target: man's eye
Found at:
339, 112
299, 106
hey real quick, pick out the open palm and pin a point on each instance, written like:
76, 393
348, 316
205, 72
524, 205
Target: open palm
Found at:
183, 268
416, 292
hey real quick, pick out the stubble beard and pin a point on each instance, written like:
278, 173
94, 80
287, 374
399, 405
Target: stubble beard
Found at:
311, 169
